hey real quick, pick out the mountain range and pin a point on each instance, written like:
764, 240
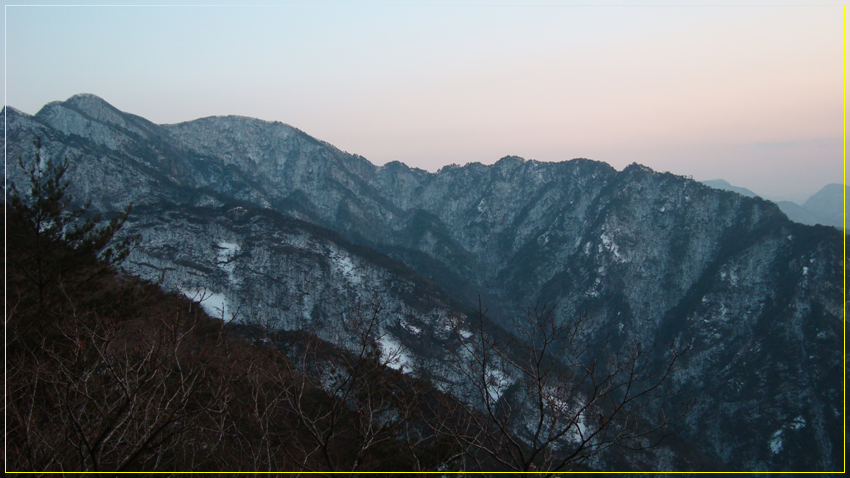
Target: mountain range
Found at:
269, 225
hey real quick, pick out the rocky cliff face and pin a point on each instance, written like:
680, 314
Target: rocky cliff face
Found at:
227, 205
257, 266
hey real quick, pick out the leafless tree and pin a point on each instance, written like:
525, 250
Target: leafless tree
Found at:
97, 393
348, 402
548, 400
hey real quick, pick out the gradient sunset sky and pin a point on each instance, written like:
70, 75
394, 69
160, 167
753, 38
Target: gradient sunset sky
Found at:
753, 95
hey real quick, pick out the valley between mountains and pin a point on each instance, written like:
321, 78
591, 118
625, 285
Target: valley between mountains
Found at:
271, 226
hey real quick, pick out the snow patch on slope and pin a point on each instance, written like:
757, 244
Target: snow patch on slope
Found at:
226, 252
215, 304
344, 265
609, 244
497, 383
394, 354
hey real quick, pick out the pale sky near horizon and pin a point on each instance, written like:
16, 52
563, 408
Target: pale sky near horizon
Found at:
753, 95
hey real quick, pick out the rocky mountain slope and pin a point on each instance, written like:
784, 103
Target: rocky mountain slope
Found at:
257, 266
648, 256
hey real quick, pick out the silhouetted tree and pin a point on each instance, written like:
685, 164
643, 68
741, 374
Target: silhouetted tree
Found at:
94, 381
52, 244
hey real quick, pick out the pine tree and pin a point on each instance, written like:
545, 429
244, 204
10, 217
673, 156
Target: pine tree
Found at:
51, 245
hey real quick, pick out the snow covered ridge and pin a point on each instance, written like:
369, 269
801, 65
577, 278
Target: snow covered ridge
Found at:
650, 256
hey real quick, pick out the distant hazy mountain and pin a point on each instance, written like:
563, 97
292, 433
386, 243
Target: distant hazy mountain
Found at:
798, 213
828, 203
724, 185
287, 229
825, 207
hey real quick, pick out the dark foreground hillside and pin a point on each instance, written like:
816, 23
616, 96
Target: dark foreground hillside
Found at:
106, 372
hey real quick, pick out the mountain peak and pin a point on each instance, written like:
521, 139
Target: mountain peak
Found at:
91, 117
510, 159
90, 104
9, 110
638, 168
80, 97
829, 204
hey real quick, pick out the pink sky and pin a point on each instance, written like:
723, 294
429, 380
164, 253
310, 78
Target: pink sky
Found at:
753, 95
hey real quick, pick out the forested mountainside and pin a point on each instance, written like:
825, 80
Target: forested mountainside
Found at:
232, 206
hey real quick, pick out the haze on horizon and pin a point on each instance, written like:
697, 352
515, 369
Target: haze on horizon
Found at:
753, 95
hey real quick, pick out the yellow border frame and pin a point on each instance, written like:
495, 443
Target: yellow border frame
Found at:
5, 7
